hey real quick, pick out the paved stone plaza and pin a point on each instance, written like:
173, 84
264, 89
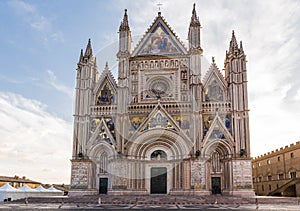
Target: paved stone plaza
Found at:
155, 202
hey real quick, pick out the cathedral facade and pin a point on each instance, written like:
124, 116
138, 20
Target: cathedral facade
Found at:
163, 127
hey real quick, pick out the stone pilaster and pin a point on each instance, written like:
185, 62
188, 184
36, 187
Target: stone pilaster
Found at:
242, 178
82, 177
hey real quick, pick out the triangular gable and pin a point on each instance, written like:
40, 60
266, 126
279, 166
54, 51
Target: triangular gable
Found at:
214, 78
106, 81
214, 71
159, 40
102, 133
218, 131
158, 118
106, 76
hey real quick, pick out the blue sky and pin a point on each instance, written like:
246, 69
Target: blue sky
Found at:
40, 42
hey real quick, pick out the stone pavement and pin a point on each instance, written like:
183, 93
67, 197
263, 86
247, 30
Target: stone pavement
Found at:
275, 207
157, 202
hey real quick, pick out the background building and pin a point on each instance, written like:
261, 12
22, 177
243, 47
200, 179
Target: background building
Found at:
162, 127
278, 172
18, 182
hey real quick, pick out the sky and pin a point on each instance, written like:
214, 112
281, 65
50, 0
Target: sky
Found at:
40, 42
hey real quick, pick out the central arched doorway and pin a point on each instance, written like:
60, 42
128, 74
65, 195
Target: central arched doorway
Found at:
158, 180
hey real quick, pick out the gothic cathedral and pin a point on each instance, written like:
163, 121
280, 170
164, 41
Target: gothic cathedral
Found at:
162, 127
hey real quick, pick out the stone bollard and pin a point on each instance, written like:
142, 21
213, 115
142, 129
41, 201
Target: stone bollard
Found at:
256, 203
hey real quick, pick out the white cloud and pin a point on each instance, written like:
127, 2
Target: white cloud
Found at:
59, 86
34, 143
31, 15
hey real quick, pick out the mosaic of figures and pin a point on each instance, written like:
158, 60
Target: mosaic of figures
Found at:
135, 123
213, 91
159, 42
102, 134
158, 121
208, 119
159, 64
106, 95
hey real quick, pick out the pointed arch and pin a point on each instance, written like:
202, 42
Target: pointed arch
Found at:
97, 149
221, 146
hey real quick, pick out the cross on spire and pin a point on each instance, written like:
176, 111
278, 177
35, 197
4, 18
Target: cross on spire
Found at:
159, 5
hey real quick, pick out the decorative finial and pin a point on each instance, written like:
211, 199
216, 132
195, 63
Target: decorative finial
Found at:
124, 24
194, 19
233, 43
89, 51
213, 59
159, 5
106, 65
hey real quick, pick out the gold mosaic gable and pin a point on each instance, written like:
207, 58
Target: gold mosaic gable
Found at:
159, 40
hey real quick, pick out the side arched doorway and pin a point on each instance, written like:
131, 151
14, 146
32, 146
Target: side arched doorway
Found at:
218, 155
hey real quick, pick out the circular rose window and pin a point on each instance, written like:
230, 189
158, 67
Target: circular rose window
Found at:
159, 87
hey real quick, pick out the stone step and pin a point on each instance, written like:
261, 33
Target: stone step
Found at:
163, 199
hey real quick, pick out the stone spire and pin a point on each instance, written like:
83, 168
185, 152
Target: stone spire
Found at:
194, 19
124, 36
81, 56
88, 51
233, 43
124, 24
241, 47
194, 33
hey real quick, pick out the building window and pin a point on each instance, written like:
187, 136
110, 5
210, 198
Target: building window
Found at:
270, 187
280, 176
278, 158
258, 163
262, 188
277, 186
253, 179
260, 179
269, 178
292, 155
293, 174
268, 161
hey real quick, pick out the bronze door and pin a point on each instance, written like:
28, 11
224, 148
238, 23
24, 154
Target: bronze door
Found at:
158, 180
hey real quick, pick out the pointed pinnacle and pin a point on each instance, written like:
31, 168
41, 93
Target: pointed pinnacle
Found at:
124, 24
81, 56
106, 65
233, 43
241, 47
194, 19
89, 51
213, 59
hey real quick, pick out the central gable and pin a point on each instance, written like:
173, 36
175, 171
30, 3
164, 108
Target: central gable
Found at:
159, 40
